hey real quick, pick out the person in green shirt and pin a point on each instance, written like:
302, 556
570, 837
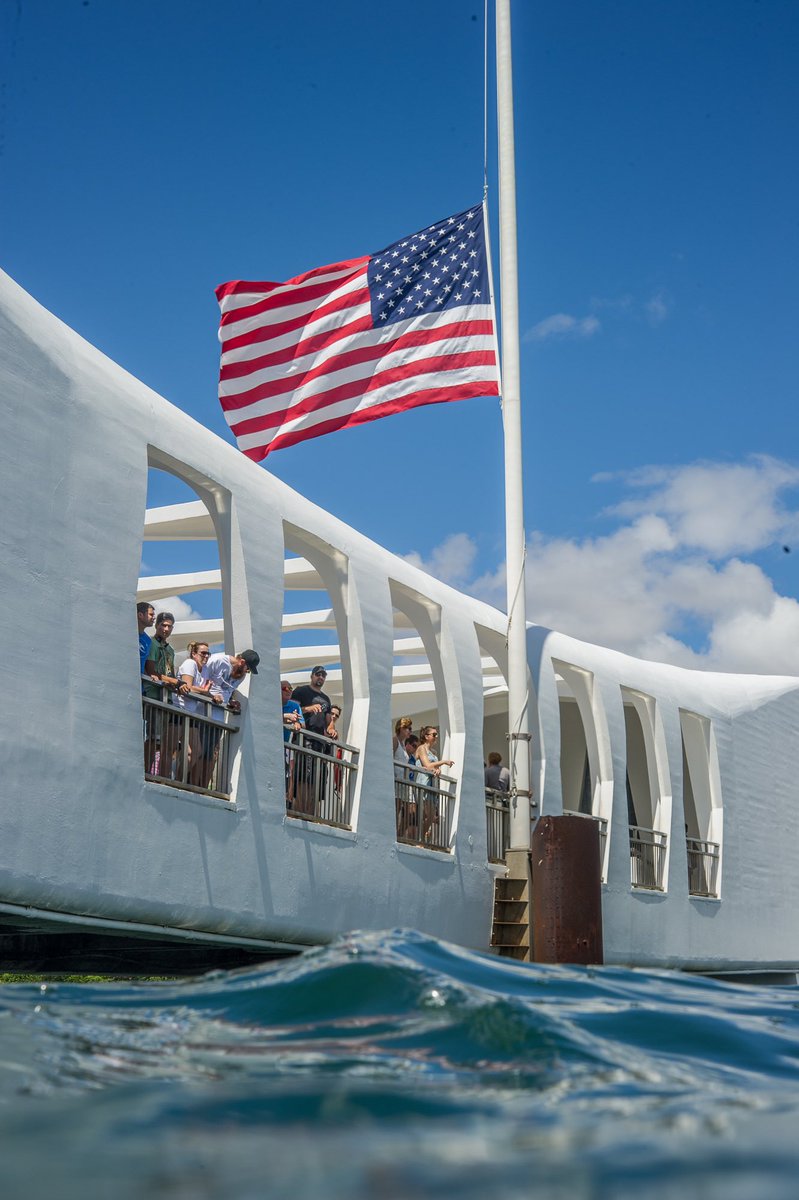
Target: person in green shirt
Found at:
165, 729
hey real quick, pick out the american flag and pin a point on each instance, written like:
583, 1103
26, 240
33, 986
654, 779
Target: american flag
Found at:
412, 324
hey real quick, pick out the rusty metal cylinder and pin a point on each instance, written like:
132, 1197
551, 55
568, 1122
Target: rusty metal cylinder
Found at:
567, 891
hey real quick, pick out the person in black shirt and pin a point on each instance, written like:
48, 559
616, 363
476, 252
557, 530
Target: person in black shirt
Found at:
315, 704
311, 774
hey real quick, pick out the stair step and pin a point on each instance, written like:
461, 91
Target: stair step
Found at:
510, 930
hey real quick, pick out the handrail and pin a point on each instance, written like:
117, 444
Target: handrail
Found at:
424, 811
322, 737
320, 782
185, 749
647, 857
172, 691
703, 866
497, 804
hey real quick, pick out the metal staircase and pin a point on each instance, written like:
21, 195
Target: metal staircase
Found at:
510, 932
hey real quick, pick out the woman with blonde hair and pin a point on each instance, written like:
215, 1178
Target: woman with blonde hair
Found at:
202, 739
402, 731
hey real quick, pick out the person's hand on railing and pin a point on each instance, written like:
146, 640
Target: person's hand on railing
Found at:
234, 706
174, 685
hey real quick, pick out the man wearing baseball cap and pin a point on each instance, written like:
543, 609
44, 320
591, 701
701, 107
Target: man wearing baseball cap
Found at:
315, 704
225, 671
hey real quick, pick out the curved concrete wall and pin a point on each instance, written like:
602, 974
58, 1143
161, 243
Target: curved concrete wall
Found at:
81, 832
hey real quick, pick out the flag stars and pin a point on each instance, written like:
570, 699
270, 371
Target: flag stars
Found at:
433, 269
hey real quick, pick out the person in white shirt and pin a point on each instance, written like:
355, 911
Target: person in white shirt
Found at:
202, 740
225, 672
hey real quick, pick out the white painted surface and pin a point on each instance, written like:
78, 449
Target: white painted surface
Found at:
81, 832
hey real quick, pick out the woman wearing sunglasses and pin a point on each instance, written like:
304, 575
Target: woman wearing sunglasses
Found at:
202, 738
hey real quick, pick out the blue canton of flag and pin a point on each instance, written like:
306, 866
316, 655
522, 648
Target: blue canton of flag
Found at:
442, 266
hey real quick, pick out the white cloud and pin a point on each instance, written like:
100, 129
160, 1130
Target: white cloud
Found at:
562, 325
722, 508
180, 609
451, 562
670, 583
657, 308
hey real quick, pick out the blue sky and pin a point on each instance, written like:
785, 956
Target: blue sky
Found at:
150, 151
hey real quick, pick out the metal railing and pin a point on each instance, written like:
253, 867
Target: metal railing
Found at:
424, 809
497, 824
703, 867
647, 858
189, 750
320, 778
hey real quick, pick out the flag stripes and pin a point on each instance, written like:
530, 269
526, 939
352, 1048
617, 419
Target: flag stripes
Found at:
360, 339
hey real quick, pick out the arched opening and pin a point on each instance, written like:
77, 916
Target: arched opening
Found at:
188, 728
702, 805
424, 794
648, 791
586, 773
324, 708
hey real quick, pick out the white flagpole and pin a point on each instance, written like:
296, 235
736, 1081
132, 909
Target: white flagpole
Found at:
518, 691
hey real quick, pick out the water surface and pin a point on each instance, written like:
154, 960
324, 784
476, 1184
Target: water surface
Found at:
392, 1065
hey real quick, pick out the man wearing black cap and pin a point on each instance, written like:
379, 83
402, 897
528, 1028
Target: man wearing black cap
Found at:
312, 774
315, 704
225, 671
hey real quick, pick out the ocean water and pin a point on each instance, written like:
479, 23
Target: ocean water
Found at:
392, 1065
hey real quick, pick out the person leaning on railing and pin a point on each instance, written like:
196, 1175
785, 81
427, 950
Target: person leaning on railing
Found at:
431, 766
202, 737
226, 671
